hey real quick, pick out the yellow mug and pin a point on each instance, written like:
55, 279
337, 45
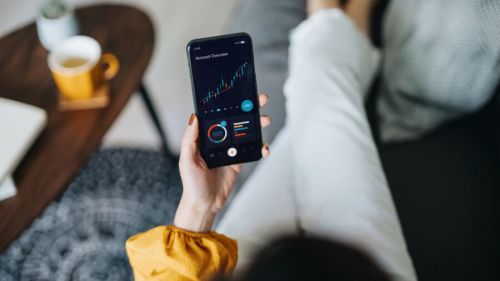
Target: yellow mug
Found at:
77, 65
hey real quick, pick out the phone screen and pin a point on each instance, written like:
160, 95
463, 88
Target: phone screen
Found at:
225, 97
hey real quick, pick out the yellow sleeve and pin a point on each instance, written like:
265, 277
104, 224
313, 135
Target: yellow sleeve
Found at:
170, 253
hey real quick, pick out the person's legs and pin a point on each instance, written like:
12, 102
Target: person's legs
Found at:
265, 207
340, 186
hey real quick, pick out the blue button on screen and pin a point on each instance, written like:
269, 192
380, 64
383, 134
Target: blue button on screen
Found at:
247, 105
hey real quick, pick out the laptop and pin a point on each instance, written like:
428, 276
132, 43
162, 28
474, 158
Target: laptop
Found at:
20, 125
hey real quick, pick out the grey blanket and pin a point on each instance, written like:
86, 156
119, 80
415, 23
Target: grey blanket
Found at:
82, 237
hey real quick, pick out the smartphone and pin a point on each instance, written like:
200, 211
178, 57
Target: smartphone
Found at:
225, 98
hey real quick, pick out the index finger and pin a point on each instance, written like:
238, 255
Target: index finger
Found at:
263, 99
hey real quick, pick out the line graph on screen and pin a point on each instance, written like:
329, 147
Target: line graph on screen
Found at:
225, 86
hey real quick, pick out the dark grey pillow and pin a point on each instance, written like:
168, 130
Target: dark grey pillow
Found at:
269, 23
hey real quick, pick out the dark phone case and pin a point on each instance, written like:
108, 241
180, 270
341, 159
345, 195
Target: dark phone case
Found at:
229, 161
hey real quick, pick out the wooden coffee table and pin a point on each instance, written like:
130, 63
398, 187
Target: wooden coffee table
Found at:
70, 137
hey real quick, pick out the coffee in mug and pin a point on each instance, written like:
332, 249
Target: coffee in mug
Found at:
78, 67
74, 62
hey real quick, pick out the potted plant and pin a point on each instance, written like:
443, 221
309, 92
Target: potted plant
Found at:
55, 22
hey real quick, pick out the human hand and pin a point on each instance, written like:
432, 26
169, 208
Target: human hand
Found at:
205, 190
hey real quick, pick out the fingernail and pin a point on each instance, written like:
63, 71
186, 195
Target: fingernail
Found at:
191, 119
266, 148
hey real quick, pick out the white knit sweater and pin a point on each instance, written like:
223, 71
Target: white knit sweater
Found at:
441, 60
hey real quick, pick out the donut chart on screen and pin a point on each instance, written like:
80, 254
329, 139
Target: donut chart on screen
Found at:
217, 133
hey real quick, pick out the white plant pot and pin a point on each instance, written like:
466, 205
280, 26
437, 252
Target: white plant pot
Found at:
53, 31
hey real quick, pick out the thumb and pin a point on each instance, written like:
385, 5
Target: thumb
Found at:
189, 145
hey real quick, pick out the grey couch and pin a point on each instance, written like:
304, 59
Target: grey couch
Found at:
445, 185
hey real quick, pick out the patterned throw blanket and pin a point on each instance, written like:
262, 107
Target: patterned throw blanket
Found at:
82, 236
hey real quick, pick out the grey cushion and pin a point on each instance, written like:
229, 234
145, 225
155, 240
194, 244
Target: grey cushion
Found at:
269, 23
82, 237
445, 187
441, 61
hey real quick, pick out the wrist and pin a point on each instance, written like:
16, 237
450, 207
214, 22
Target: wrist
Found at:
194, 217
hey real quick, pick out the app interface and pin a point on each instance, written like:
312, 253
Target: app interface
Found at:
225, 96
